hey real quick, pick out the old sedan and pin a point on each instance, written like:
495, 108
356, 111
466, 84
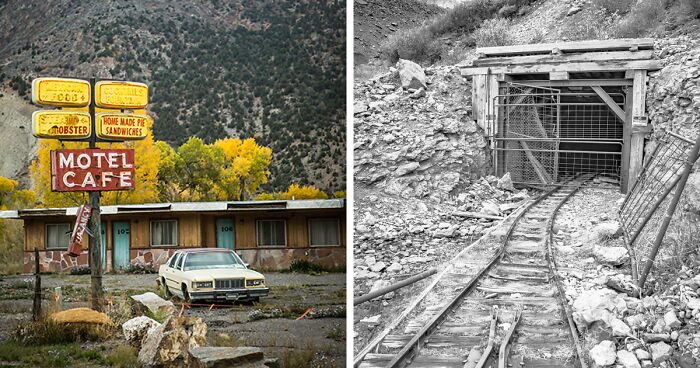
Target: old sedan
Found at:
210, 273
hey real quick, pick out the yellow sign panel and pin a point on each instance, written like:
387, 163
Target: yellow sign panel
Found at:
121, 126
61, 124
60, 92
121, 95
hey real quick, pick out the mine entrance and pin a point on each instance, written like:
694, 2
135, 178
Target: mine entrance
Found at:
546, 135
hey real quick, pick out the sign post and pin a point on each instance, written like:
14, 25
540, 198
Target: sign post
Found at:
92, 170
96, 290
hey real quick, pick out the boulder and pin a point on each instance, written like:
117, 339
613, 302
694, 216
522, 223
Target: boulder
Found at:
671, 320
660, 352
614, 256
411, 74
377, 267
153, 303
224, 357
627, 359
394, 268
505, 183
597, 305
619, 328
168, 344
604, 353
406, 168
642, 354
137, 328
490, 208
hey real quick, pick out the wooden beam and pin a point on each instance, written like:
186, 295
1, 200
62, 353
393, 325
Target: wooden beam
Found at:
558, 75
573, 46
565, 58
610, 102
639, 119
607, 66
580, 83
539, 169
479, 105
492, 88
626, 139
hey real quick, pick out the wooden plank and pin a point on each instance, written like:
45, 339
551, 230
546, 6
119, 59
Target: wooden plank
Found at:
626, 138
539, 169
478, 100
610, 102
580, 83
603, 66
565, 58
621, 44
558, 75
492, 88
638, 119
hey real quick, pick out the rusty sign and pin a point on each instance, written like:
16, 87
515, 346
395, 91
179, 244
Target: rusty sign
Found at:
61, 92
121, 126
92, 170
81, 223
60, 124
121, 95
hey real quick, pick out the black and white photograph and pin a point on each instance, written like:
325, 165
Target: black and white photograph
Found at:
525, 187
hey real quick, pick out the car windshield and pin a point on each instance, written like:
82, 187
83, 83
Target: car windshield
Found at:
210, 260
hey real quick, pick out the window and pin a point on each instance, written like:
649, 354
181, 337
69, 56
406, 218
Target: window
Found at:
173, 259
178, 263
164, 232
324, 232
272, 233
57, 235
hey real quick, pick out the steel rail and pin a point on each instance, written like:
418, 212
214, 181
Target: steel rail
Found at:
417, 339
553, 269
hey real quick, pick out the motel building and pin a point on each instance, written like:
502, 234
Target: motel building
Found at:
269, 235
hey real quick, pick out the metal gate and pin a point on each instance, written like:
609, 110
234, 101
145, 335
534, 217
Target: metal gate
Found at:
542, 134
526, 141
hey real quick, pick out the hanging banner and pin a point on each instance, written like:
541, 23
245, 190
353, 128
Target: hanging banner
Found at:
121, 126
121, 95
75, 170
61, 124
61, 92
81, 224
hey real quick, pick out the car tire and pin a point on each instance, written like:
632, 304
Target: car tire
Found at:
185, 293
166, 291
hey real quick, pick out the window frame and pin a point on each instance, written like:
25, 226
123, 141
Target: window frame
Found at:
177, 233
46, 235
257, 234
308, 226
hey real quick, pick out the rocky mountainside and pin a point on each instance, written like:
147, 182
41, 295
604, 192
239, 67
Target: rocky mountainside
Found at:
375, 20
274, 70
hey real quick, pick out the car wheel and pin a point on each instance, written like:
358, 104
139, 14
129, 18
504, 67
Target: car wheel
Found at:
255, 300
166, 291
185, 293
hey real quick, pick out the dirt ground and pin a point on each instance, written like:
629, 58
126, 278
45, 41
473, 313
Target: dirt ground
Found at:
271, 324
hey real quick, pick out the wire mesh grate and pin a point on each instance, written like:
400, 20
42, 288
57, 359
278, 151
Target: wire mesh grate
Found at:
659, 176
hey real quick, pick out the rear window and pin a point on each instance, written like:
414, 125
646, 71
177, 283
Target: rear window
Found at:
178, 262
211, 260
173, 259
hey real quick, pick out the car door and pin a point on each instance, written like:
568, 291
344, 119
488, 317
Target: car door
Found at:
170, 275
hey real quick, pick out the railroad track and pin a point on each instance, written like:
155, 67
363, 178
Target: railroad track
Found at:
509, 313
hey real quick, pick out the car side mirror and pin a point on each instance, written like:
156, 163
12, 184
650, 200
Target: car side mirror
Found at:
246, 264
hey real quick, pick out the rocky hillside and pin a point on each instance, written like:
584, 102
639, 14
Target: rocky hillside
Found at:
274, 70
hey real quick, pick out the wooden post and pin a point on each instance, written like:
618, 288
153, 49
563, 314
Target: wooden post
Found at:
96, 291
36, 308
639, 119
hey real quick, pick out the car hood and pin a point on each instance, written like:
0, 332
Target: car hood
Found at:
222, 273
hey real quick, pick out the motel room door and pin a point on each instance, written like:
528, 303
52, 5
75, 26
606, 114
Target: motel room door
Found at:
225, 234
121, 244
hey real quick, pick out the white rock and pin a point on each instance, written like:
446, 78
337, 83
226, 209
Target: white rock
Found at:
660, 351
642, 354
614, 256
671, 320
137, 328
411, 74
371, 320
394, 268
627, 359
151, 301
619, 328
377, 267
604, 353
490, 208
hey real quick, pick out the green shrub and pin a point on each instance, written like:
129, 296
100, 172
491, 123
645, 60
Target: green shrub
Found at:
124, 357
643, 18
415, 44
304, 266
493, 32
465, 17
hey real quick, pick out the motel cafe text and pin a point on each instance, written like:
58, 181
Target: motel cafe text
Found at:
269, 235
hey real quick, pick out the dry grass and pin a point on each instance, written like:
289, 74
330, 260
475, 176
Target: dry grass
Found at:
11, 246
614, 6
643, 19
414, 44
493, 32
123, 357
590, 24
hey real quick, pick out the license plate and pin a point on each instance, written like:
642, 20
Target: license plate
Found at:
232, 296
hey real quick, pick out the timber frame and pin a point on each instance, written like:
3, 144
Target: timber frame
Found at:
593, 64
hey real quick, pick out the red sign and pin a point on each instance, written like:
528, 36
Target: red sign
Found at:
81, 222
92, 169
